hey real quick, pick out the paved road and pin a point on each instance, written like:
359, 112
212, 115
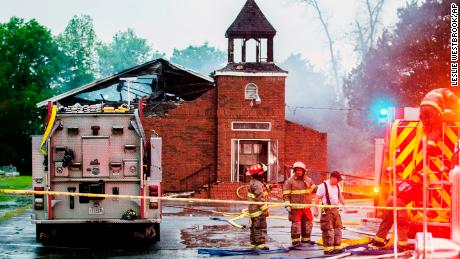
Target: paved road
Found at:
183, 231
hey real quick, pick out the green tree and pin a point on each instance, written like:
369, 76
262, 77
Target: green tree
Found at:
405, 64
204, 58
78, 43
126, 50
30, 64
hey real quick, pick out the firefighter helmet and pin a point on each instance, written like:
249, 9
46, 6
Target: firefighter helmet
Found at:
256, 169
299, 164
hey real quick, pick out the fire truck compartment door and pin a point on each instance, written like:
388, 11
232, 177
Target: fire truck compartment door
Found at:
95, 154
130, 168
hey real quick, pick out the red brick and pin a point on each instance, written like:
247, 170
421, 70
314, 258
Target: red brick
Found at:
198, 133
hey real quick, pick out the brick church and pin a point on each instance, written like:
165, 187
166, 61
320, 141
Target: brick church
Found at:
240, 121
213, 128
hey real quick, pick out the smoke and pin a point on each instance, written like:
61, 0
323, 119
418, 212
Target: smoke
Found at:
311, 100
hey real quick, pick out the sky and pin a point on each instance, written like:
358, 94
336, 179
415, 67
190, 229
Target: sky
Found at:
169, 24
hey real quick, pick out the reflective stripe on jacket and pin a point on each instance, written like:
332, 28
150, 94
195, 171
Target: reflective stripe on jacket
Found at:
257, 192
441, 98
298, 190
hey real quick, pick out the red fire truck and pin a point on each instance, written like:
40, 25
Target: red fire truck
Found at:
402, 149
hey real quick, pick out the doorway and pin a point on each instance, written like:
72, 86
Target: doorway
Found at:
246, 152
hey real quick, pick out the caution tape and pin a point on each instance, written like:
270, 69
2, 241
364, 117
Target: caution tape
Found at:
54, 193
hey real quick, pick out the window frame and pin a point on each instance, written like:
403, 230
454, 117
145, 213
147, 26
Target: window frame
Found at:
255, 94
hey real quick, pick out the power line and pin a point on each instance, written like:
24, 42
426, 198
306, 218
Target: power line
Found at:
322, 108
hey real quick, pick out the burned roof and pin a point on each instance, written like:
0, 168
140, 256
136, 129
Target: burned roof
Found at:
251, 67
250, 22
153, 78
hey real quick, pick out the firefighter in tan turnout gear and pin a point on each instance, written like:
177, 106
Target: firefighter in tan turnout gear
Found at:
258, 191
297, 189
330, 221
432, 108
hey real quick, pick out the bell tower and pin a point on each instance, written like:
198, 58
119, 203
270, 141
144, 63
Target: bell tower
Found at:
250, 100
251, 24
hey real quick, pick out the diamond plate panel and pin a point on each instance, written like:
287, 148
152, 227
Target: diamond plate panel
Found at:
113, 208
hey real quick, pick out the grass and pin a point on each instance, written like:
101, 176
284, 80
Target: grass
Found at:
15, 212
16, 183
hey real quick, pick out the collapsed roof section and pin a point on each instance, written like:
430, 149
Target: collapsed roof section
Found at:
159, 80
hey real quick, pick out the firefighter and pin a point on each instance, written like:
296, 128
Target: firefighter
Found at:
258, 191
297, 189
408, 190
330, 220
433, 105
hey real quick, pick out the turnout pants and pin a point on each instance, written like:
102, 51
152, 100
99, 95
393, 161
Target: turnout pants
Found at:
301, 225
258, 230
331, 227
387, 223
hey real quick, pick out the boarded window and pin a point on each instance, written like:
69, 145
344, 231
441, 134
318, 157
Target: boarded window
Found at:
257, 148
247, 149
251, 91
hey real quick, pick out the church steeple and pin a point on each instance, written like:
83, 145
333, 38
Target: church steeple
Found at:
251, 24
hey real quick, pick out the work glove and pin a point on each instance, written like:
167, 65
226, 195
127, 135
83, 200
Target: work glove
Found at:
265, 213
269, 187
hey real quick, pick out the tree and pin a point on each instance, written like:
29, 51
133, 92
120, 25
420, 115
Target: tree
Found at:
366, 32
30, 63
126, 50
405, 64
334, 58
204, 58
78, 43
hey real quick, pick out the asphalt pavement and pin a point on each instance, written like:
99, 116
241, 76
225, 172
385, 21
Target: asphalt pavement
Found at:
183, 231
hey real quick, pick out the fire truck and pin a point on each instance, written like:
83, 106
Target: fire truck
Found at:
99, 150
402, 149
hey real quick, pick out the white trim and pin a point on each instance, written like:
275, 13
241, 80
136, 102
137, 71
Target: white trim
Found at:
233, 73
257, 122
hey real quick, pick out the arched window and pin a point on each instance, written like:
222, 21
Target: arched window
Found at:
250, 91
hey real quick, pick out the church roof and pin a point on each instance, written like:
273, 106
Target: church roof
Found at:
250, 22
251, 67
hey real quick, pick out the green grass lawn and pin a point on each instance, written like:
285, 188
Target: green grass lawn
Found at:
16, 183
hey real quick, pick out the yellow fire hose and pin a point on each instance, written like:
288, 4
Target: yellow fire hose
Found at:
241, 215
48, 129
245, 214
154, 199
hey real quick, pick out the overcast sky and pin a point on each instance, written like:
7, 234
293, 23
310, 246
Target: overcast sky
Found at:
169, 24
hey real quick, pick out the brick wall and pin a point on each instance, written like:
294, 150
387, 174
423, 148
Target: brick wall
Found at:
189, 135
232, 106
306, 145
198, 133
223, 191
